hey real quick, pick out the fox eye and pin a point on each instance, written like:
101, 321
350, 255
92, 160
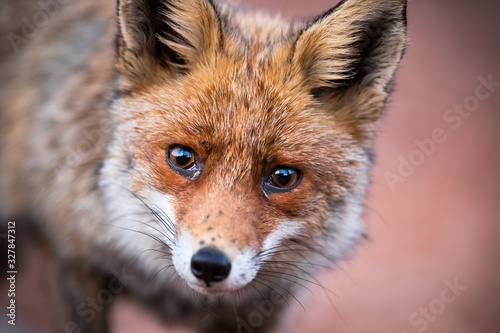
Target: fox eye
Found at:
182, 157
183, 160
283, 178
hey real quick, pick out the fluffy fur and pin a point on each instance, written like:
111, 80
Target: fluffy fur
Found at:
85, 131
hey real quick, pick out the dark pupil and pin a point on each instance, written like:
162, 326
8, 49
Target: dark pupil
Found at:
283, 176
182, 156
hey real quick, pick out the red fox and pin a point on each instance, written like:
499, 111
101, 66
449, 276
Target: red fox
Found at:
198, 157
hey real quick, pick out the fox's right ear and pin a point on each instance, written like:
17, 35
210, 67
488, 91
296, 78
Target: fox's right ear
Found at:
164, 36
348, 57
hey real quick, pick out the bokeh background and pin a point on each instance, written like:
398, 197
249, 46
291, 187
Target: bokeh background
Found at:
433, 213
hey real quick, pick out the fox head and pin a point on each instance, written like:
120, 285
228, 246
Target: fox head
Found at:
242, 143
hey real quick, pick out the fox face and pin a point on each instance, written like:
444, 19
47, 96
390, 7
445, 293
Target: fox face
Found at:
243, 144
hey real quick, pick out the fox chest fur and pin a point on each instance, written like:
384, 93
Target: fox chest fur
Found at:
212, 152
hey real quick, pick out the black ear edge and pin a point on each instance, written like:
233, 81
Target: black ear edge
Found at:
220, 22
171, 33
370, 31
324, 15
335, 8
153, 26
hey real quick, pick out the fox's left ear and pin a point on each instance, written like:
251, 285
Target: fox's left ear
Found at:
164, 36
348, 56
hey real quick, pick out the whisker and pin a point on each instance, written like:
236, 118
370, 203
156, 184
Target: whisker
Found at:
156, 238
315, 282
266, 273
259, 281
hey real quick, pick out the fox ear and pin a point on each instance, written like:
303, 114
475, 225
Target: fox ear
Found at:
168, 35
348, 56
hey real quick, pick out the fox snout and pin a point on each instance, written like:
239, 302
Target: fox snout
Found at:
213, 269
216, 245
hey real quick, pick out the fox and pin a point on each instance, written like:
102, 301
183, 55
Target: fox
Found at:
199, 157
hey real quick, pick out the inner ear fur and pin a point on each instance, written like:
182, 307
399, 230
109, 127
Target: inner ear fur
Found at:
164, 36
348, 56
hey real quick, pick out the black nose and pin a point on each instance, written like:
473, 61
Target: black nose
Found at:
210, 265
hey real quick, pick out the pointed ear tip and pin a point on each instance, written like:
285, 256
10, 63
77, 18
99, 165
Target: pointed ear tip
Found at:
394, 2
400, 4
378, 2
392, 6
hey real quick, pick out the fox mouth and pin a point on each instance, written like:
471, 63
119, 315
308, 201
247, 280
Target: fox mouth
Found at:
211, 289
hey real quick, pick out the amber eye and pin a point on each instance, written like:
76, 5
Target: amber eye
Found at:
181, 157
283, 179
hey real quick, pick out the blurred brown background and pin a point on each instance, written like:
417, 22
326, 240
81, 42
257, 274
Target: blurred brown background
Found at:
432, 263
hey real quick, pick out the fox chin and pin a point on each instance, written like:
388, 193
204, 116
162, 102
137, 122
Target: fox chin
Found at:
215, 157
